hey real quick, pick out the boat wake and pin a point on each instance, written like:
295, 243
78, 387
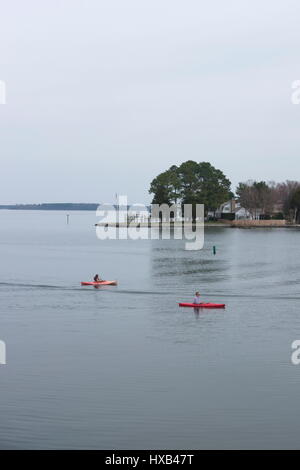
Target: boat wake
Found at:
113, 290
100, 288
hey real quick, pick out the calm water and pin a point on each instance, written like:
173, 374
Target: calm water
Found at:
125, 367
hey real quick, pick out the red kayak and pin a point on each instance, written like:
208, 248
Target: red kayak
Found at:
202, 305
100, 283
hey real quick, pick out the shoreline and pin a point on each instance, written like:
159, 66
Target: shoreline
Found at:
191, 224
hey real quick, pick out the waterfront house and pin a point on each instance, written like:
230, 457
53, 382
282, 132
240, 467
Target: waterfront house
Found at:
232, 209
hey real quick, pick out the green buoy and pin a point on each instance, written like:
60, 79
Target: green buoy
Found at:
214, 250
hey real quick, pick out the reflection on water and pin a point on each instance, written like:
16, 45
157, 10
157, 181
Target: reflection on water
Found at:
123, 366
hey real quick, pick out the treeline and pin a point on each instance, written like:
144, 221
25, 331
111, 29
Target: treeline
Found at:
271, 200
53, 207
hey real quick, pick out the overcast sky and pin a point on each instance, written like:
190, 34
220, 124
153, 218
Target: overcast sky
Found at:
104, 95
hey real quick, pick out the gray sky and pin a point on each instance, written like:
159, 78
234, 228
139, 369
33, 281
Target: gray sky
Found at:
104, 95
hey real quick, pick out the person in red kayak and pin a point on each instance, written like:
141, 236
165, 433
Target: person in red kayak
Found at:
197, 299
97, 278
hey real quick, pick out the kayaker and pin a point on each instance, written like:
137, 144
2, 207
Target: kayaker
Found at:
97, 278
197, 299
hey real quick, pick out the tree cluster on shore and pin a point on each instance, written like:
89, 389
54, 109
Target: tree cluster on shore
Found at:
191, 183
271, 200
201, 183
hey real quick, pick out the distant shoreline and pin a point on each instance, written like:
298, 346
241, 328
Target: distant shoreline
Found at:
59, 206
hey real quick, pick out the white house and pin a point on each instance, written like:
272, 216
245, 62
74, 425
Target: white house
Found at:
242, 213
234, 207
